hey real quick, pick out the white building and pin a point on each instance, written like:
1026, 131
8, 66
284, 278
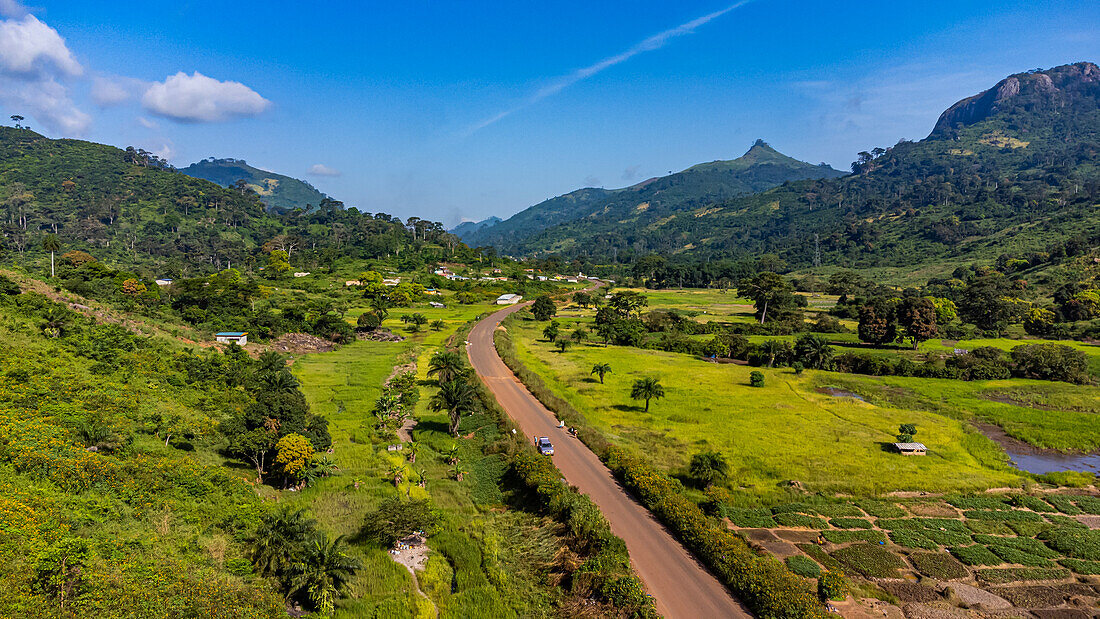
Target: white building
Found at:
239, 338
508, 299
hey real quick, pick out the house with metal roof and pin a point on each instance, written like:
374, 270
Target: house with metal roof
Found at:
239, 338
911, 449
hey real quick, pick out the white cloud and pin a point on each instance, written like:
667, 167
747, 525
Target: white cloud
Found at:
145, 122
35, 63
30, 47
320, 169
108, 91
197, 98
12, 9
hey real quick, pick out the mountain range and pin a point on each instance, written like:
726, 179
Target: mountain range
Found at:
762, 167
276, 191
1013, 169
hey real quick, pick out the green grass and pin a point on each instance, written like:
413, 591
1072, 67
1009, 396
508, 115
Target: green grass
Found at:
783, 431
1017, 574
975, 555
854, 535
489, 556
803, 566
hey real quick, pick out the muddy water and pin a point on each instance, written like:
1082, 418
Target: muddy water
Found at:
1038, 461
841, 393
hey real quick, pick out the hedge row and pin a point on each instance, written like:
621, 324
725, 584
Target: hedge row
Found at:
767, 586
607, 570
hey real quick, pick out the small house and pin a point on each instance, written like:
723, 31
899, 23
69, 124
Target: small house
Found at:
353, 282
301, 274
508, 299
164, 281
911, 449
391, 282
436, 304
239, 338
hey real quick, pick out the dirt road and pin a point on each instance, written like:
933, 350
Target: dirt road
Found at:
681, 585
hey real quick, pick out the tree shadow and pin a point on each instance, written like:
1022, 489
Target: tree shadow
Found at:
430, 425
589, 380
628, 408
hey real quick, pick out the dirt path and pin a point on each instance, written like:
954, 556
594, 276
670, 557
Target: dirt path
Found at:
680, 584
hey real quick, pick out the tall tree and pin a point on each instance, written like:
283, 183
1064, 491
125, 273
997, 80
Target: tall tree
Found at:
917, 319
543, 308
877, 322
323, 571
767, 290
52, 245
647, 389
455, 397
813, 351
446, 366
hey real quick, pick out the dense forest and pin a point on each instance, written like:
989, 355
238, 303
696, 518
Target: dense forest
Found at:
128, 206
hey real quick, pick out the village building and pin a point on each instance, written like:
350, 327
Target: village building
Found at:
239, 338
436, 304
164, 281
911, 449
508, 299
301, 274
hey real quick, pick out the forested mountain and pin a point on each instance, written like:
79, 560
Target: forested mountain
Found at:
650, 201
1013, 170
469, 227
277, 191
127, 207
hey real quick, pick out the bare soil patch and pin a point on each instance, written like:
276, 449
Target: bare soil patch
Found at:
301, 344
910, 592
767, 540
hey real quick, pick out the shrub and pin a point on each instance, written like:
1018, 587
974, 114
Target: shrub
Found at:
395, 519
975, 555
1029, 529
869, 560
756, 378
803, 566
1016, 574
938, 565
855, 535
990, 527
850, 523
762, 582
1050, 362
832, 586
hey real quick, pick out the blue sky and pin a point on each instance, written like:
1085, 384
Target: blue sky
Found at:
460, 110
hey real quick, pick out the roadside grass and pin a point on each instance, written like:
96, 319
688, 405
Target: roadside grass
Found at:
770, 435
490, 567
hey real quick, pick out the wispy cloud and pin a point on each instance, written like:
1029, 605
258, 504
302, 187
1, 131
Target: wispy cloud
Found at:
652, 43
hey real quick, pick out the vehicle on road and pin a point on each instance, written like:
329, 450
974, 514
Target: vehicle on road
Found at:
544, 446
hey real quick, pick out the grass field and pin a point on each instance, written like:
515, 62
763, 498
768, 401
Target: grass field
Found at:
1092, 351
493, 556
771, 435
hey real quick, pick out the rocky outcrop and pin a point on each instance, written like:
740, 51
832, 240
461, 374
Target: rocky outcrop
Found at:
1035, 89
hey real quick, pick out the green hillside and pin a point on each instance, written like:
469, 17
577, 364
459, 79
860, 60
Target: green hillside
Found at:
762, 167
129, 209
276, 191
1012, 170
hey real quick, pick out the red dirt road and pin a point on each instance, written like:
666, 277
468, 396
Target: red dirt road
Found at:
680, 584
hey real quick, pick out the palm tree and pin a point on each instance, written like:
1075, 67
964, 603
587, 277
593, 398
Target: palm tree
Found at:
437, 325
410, 449
814, 351
562, 345
281, 382
579, 335
381, 308
323, 571
397, 473
600, 369
455, 397
551, 331
270, 361
708, 467
772, 349
452, 455
647, 389
280, 537
446, 366
52, 245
